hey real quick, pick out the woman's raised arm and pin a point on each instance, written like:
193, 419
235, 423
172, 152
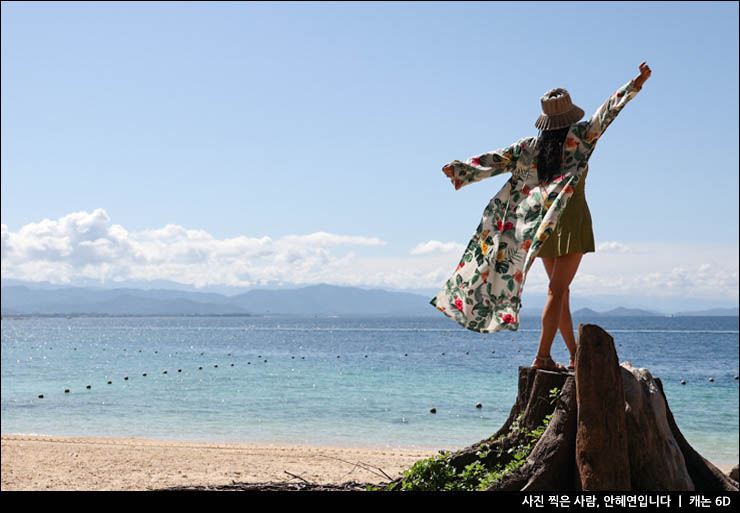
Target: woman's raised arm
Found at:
605, 114
483, 166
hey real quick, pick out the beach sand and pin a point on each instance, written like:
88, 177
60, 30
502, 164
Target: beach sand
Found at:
31, 462
37, 462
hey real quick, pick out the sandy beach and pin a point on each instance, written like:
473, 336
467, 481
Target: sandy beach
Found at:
32, 462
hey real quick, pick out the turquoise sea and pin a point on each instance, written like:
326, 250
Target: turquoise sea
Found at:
348, 381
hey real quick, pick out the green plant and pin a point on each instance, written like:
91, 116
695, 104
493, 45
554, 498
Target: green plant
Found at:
436, 473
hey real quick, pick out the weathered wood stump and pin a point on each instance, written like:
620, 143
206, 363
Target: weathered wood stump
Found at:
610, 429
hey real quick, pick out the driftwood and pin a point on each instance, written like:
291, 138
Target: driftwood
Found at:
611, 429
277, 486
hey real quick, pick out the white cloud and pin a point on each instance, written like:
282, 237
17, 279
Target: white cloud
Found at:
435, 246
612, 247
87, 245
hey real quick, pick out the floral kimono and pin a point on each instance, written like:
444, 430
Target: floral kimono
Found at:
484, 293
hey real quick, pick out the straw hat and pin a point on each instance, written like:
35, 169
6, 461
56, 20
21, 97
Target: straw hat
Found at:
557, 110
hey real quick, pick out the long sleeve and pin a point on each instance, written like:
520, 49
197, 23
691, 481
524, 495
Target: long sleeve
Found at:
605, 114
485, 165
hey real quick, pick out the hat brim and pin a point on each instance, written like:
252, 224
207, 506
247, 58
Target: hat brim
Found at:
545, 122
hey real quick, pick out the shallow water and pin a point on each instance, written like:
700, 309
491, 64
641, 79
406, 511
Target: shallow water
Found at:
331, 381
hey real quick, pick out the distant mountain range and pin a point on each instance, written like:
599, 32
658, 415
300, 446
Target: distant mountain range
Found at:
45, 299
311, 300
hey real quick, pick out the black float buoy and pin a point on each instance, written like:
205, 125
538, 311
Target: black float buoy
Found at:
735, 378
405, 354
200, 368
337, 356
126, 378
215, 366
41, 396
165, 372
711, 380
144, 374
365, 356
683, 381
265, 361
249, 363
433, 410
179, 370
88, 387
232, 364
110, 382
292, 357
479, 405
66, 390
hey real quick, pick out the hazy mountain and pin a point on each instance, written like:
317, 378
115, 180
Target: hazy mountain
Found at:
333, 299
20, 299
44, 298
312, 300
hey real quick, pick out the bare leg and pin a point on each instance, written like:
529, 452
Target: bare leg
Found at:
561, 271
566, 323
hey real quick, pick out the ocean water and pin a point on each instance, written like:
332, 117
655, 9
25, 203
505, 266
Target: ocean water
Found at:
349, 381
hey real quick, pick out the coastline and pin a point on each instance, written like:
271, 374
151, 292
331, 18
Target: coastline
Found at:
40, 462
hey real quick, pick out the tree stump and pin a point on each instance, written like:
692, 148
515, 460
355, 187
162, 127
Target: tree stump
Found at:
610, 429
601, 440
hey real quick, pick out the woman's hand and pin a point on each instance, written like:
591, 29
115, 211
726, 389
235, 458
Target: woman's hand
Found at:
449, 170
644, 74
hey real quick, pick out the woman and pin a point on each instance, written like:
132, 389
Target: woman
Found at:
529, 218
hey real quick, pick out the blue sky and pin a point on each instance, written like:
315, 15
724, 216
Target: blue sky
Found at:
256, 143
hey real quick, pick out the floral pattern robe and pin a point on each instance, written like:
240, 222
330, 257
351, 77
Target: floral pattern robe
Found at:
484, 293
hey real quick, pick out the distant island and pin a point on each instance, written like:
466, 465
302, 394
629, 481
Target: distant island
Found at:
24, 299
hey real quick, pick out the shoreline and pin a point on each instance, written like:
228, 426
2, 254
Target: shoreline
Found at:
41, 462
